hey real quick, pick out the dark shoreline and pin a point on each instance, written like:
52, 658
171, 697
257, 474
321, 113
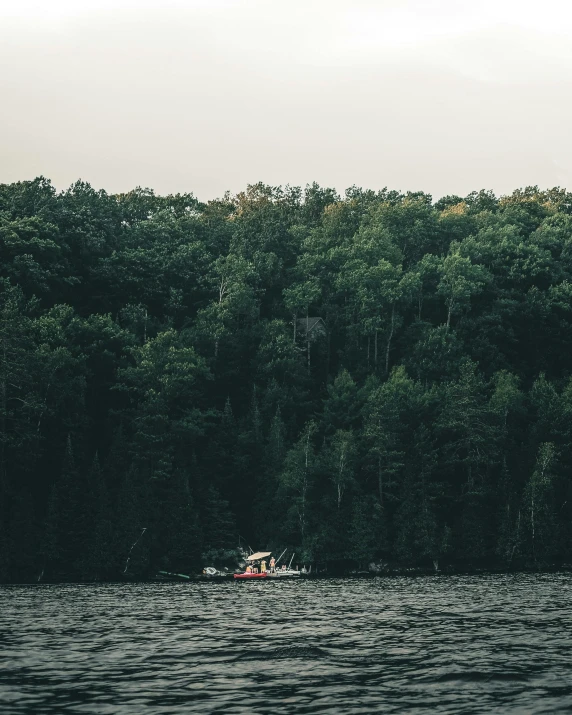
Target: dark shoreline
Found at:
394, 573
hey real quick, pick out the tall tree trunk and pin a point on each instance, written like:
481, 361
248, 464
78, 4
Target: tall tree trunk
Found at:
389, 339
532, 524
328, 355
308, 335
449, 313
305, 485
341, 468
516, 539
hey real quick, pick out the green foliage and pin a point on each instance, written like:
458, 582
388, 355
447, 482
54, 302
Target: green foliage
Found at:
538, 502
297, 479
161, 401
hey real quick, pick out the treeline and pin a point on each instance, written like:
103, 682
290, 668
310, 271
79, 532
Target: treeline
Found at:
374, 377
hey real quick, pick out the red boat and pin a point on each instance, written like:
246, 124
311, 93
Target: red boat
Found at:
251, 575
254, 559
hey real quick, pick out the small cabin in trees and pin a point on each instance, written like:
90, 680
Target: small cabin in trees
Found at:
310, 329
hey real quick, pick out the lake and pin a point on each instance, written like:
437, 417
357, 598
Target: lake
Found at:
440, 644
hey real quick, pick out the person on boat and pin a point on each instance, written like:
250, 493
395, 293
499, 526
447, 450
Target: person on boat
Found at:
283, 567
263, 567
272, 565
248, 569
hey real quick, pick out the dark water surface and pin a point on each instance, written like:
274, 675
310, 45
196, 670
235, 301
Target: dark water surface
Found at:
449, 644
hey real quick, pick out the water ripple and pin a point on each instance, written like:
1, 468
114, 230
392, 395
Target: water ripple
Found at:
494, 644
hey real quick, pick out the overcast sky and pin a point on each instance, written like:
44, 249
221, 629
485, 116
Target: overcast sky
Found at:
444, 96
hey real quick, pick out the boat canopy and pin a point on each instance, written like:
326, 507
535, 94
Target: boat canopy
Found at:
258, 555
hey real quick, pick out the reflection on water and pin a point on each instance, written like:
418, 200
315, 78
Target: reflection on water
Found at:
450, 644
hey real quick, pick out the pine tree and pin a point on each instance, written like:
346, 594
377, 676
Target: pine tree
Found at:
182, 545
297, 479
99, 562
218, 528
538, 504
133, 533
367, 535
67, 524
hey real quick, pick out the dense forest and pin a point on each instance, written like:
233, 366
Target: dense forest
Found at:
373, 378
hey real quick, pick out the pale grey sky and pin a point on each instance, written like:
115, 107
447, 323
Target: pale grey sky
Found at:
444, 96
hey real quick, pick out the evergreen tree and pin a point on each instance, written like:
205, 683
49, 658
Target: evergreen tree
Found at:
68, 525
428, 425
297, 480
541, 524
99, 561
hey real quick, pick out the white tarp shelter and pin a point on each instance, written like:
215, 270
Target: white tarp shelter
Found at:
258, 555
